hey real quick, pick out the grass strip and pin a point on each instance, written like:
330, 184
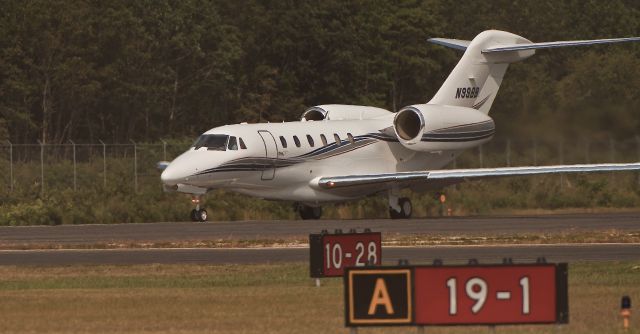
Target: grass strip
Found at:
278, 298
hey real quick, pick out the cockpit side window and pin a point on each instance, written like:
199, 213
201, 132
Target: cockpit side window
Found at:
242, 145
212, 142
233, 143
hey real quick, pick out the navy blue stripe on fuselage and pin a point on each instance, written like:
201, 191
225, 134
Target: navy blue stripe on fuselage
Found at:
456, 138
319, 151
379, 136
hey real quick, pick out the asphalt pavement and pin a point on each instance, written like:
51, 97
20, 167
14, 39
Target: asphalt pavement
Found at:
390, 255
68, 235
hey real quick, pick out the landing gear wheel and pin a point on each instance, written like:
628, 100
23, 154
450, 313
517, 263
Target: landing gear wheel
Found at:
393, 214
310, 212
194, 215
202, 215
406, 209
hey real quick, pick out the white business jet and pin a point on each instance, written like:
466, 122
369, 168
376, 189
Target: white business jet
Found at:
337, 153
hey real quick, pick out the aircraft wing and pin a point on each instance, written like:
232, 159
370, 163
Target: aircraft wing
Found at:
444, 177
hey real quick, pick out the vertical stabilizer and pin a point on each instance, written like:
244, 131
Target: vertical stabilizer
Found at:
475, 80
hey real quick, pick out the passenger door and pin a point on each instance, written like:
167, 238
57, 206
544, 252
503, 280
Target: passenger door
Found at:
271, 154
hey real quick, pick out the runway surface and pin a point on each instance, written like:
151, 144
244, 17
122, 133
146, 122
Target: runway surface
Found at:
416, 255
69, 235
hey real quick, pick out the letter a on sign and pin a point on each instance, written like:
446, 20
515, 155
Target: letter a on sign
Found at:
380, 297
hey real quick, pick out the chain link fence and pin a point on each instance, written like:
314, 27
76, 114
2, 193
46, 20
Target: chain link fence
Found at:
40, 168
53, 167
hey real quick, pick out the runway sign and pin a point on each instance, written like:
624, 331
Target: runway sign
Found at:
378, 297
330, 254
457, 295
491, 295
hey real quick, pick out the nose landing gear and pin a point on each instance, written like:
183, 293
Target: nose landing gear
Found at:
198, 214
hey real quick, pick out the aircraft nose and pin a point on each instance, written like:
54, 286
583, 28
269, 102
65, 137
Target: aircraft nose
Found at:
171, 176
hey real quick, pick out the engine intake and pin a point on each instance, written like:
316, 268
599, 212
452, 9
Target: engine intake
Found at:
409, 123
429, 127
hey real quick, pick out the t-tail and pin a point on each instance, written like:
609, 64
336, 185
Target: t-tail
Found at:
475, 80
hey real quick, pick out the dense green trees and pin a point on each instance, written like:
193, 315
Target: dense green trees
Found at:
142, 70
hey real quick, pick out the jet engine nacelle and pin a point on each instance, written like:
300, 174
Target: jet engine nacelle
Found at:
429, 127
342, 112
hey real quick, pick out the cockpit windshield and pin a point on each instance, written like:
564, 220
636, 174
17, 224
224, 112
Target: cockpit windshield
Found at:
212, 142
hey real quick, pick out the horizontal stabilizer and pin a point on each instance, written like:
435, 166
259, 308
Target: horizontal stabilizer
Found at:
550, 45
458, 44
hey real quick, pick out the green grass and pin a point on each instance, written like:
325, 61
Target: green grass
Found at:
246, 299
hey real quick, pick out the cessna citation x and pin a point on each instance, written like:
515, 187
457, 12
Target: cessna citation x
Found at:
337, 153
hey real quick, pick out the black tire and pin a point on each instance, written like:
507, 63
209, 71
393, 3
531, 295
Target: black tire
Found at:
310, 212
316, 212
393, 214
194, 215
406, 208
202, 215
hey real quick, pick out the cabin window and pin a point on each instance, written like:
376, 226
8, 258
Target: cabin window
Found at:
310, 140
212, 142
324, 140
337, 138
283, 141
296, 140
350, 138
233, 143
242, 145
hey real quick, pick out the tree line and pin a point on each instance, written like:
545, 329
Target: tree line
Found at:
150, 69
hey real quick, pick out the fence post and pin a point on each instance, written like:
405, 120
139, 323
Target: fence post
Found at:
561, 154
612, 150
10, 165
135, 165
104, 163
75, 177
638, 149
612, 156
587, 149
164, 150
535, 152
508, 152
41, 167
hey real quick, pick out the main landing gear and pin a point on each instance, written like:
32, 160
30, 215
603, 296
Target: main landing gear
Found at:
399, 208
198, 214
309, 212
